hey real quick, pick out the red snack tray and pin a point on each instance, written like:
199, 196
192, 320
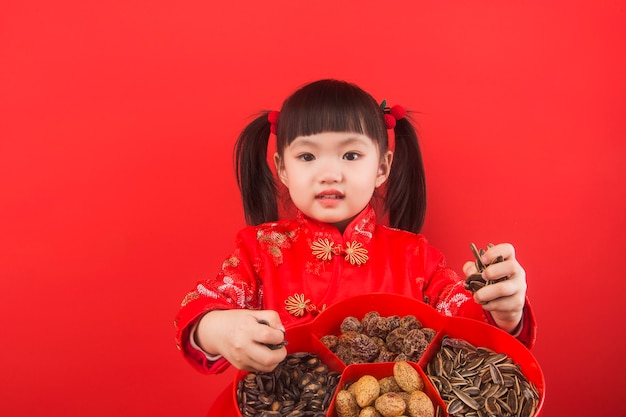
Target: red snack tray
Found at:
307, 338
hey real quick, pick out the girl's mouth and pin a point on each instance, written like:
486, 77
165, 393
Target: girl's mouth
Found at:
329, 195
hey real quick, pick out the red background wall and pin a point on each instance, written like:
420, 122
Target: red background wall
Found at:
117, 190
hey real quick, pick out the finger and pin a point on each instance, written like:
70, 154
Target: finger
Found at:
272, 338
502, 289
265, 360
469, 268
271, 318
505, 308
509, 269
252, 356
262, 365
499, 270
506, 250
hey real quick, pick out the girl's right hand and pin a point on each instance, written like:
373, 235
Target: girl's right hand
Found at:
242, 336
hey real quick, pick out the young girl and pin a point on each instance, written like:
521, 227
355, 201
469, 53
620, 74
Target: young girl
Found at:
334, 160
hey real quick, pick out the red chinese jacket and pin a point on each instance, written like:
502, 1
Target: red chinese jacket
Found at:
299, 267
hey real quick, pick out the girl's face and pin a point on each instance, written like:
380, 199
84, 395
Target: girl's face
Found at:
332, 176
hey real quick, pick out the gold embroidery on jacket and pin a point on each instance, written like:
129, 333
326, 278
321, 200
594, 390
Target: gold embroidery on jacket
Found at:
314, 268
193, 295
324, 250
298, 306
232, 262
356, 253
275, 242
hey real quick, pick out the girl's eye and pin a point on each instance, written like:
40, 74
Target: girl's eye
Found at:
351, 156
307, 157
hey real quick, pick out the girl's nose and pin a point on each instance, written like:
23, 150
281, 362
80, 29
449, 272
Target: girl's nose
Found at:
330, 172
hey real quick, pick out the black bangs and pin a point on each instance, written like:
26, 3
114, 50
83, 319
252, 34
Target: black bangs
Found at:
331, 106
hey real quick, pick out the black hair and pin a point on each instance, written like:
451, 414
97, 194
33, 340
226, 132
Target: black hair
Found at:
331, 106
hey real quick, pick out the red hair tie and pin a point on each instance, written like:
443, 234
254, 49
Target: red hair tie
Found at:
392, 114
272, 117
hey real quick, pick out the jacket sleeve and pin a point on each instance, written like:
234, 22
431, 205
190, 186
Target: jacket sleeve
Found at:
445, 291
235, 286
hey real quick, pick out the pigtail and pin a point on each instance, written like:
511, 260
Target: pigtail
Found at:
406, 186
254, 177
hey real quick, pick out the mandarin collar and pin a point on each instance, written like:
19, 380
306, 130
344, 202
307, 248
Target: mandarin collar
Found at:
360, 229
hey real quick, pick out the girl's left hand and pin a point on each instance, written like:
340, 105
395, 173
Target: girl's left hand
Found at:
505, 299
